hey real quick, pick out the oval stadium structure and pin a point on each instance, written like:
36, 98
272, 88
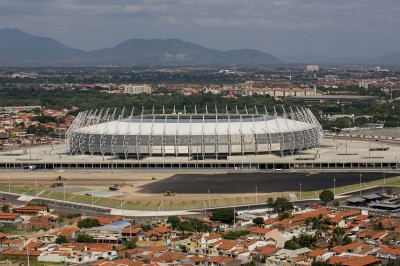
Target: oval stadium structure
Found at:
194, 135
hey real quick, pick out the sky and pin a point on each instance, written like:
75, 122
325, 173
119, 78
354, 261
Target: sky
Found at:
334, 28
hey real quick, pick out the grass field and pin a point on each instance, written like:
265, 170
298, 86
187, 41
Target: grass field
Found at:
167, 205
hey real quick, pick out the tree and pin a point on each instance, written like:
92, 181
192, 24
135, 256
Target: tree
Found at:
283, 216
379, 226
84, 238
88, 223
184, 227
233, 235
5, 208
258, 220
282, 204
61, 239
303, 241
224, 215
174, 221
146, 227
130, 244
326, 196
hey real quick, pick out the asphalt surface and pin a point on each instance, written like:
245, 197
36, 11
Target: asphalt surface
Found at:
237, 183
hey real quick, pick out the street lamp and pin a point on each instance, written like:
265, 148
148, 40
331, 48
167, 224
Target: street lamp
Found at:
300, 190
334, 187
209, 203
360, 183
256, 196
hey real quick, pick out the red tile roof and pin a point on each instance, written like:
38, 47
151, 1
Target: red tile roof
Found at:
354, 260
6, 215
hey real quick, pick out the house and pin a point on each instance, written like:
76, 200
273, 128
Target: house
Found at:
270, 222
105, 220
223, 261
354, 260
157, 234
47, 221
130, 233
12, 254
320, 255
3, 237
195, 260
353, 248
10, 218
284, 254
388, 253
110, 233
222, 247
68, 232
16, 243
121, 262
30, 210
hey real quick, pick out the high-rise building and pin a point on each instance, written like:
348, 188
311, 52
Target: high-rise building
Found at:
313, 68
136, 89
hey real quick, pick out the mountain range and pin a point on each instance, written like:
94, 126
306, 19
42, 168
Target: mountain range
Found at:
18, 48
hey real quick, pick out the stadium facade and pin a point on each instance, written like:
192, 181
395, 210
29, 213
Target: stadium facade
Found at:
194, 135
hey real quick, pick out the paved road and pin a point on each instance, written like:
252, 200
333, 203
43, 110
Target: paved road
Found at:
247, 182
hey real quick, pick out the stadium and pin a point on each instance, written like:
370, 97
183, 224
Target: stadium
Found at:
197, 136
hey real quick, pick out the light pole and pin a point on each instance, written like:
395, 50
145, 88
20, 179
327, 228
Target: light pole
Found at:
9, 184
256, 196
334, 187
360, 183
384, 182
209, 203
300, 190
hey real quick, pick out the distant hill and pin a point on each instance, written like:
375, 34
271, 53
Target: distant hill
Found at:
17, 48
389, 59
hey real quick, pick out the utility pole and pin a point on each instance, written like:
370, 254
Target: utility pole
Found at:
256, 196
384, 182
234, 217
36, 186
9, 184
334, 187
209, 203
300, 190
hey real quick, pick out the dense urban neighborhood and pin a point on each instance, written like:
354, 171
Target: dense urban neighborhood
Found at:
274, 235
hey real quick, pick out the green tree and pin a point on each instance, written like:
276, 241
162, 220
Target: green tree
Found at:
379, 226
88, 223
326, 196
233, 235
185, 226
130, 244
84, 238
61, 239
224, 215
303, 241
282, 204
174, 221
283, 215
146, 227
258, 220
5, 207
